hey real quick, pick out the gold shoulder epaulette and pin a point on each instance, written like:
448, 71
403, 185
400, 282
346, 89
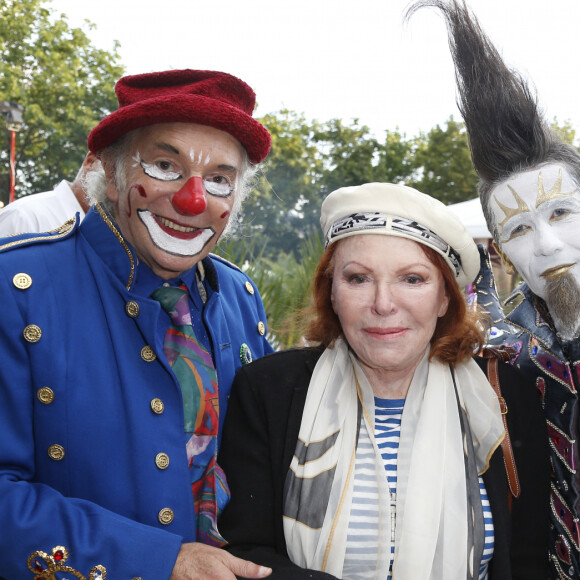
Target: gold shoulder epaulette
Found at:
57, 234
45, 566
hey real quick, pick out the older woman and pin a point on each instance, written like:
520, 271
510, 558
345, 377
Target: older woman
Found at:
375, 455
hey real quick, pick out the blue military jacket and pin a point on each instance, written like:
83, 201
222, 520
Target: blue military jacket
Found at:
92, 447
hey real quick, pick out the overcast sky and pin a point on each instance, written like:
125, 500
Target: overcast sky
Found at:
341, 59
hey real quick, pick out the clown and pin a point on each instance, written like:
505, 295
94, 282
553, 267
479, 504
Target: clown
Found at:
530, 194
120, 340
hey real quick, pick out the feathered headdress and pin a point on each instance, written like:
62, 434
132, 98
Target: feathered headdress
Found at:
507, 131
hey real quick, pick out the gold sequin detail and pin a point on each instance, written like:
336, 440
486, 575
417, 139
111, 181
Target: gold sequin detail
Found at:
44, 565
249, 287
261, 328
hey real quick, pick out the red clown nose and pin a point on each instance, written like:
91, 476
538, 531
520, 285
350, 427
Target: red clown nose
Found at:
190, 199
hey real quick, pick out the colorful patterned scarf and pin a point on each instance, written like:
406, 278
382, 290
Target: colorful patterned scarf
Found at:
194, 369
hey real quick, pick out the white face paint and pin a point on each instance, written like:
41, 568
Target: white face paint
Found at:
158, 173
165, 164
538, 219
169, 243
220, 188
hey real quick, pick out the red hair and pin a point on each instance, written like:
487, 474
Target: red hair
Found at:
458, 333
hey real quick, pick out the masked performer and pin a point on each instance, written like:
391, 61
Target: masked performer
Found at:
529, 190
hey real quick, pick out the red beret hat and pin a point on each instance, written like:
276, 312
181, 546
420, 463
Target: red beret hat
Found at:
210, 98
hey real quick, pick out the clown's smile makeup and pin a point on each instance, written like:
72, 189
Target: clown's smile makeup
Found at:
174, 238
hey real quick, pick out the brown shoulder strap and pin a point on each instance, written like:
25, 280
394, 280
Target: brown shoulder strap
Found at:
506, 444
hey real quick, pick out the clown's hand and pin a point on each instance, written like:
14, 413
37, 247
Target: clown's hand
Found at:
197, 561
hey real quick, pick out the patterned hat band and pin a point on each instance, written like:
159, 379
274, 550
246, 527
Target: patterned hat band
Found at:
376, 222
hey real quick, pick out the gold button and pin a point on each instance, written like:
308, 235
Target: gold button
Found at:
45, 395
22, 281
32, 333
249, 287
132, 309
261, 328
56, 452
147, 354
157, 406
162, 460
166, 516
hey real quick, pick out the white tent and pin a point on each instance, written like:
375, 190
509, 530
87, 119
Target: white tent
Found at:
471, 216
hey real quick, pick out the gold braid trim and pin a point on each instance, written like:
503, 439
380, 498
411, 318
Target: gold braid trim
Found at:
121, 240
46, 566
59, 233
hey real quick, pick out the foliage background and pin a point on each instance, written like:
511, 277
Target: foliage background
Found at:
66, 86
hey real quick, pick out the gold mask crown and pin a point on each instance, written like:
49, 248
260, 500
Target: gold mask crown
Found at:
45, 566
542, 197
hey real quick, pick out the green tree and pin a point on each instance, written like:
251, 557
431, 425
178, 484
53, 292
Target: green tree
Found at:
274, 211
350, 155
397, 162
284, 283
565, 131
308, 160
65, 84
443, 162
353, 156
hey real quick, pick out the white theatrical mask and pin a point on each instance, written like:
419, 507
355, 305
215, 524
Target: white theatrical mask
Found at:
537, 214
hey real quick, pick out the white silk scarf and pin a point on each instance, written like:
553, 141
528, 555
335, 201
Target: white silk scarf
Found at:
431, 539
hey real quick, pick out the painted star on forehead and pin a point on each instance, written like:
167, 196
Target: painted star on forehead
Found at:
554, 193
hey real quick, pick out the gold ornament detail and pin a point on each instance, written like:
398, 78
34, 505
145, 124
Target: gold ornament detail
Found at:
506, 264
132, 309
554, 193
45, 395
46, 567
508, 267
166, 516
157, 406
147, 354
32, 333
511, 212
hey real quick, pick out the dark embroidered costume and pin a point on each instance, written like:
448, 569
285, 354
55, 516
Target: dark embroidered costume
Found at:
552, 366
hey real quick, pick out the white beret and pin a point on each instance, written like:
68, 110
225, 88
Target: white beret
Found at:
398, 210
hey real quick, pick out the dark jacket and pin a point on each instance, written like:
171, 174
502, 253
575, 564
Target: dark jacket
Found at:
259, 438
